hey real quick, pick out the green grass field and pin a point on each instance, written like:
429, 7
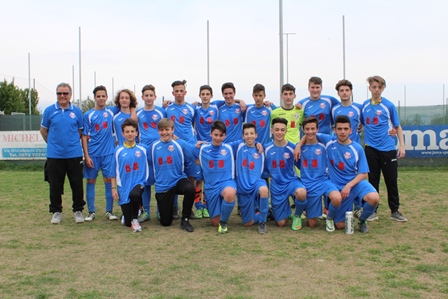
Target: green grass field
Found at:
103, 259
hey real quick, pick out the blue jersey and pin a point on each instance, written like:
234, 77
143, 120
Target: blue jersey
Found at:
147, 124
345, 161
98, 126
168, 160
354, 114
261, 118
280, 164
313, 165
63, 125
217, 163
183, 118
118, 120
203, 121
232, 116
378, 119
320, 109
130, 168
250, 167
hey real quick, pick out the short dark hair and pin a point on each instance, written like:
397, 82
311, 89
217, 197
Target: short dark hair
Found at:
129, 123
206, 87
258, 88
377, 79
315, 80
344, 82
178, 82
280, 120
148, 87
288, 87
219, 125
342, 119
228, 85
249, 125
98, 88
310, 120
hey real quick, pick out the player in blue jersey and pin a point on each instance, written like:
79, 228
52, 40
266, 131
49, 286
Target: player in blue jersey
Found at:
130, 172
313, 173
284, 180
252, 189
218, 166
231, 113
348, 168
168, 158
124, 100
318, 105
348, 107
98, 145
379, 115
61, 128
148, 118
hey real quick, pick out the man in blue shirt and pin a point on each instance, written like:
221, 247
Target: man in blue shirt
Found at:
61, 129
231, 113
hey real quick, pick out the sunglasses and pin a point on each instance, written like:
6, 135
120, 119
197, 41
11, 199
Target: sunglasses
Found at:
62, 93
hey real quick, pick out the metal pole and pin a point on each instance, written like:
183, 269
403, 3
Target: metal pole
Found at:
343, 46
405, 108
29, 87
94, 79
208, 54
73, 84
80, 91
280, 9
287, 56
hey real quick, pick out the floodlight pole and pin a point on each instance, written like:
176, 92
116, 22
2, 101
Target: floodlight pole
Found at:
280, 9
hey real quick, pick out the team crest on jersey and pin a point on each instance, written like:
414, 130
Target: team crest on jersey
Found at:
237, 111
185, 111
264, 113
171, 148
72, 115
256, 156
138, 154
212, 112
286, 155
223, 152
318, 152
347, 155
351, 114
296, 116
378, 112
155, 117
322, 105
105, 114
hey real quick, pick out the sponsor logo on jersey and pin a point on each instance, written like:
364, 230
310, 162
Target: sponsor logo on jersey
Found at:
347, 155
223, 152
138, 154
171, 148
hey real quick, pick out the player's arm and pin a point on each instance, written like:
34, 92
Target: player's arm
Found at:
134, 116
113, 181
85, 148
242, 104
345, 192
44, 133
298, 149
401, 151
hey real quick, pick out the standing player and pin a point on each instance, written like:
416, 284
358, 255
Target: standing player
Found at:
284, 180
379, 115
98, 145
168, 158
124, 100
130, 171
231, 113
318, 105
348, 107
148, 118
61, 129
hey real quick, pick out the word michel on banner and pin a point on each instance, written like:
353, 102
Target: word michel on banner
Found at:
22, 145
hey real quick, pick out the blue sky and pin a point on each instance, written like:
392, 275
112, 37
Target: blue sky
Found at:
154, 41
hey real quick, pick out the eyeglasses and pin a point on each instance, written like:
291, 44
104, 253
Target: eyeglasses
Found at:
62, 93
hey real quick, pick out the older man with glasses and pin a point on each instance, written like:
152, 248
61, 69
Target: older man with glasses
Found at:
61, 128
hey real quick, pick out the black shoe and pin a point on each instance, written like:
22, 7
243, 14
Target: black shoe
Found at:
239, 212
186, 226
175, 213
271, 214
363, 227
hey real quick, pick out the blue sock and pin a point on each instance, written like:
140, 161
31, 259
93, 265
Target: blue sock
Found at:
300, 206
146, 199
257, 218
90, 197
109, 198
367, 210
264, 208
226, 210
332, 210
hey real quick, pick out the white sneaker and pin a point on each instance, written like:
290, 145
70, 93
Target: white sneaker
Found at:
135, 226
111, 216
79, 218
56, 219
90, 217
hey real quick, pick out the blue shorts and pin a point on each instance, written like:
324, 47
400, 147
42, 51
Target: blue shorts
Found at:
104, 163
280, 199
214, 197
357, 193
150, 181
248, 201
314, 198
193, 170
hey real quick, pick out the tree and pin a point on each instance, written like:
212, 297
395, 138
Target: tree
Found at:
87, 104
15, 99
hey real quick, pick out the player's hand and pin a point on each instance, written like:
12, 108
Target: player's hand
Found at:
259, 147
359, 128
243, 105
115, 194
392, 132
401, 152
166, 103
297, 152
196, 103
89, 162
345, 192
298, 106
267, 103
